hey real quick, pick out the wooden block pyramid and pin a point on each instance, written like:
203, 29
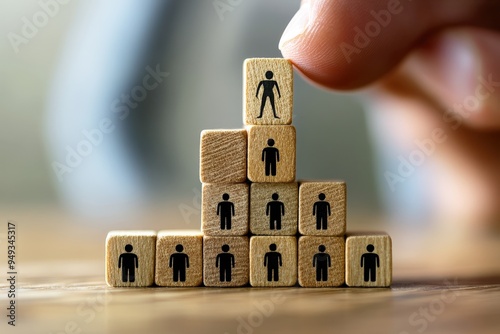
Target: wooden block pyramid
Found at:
259, 225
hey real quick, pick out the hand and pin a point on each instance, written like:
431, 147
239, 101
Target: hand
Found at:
423, 66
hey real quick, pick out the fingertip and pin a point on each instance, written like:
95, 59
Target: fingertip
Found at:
305, 42
296, 27
346, 44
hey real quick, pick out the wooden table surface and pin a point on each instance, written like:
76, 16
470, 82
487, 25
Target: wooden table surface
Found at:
446, 280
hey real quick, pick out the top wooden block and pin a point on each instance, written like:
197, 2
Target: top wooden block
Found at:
223, 156
268, 91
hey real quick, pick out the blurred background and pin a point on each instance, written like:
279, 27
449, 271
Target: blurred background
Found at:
102, 104
85, 62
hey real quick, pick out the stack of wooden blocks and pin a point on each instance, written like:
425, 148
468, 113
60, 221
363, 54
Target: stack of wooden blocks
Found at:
249, 186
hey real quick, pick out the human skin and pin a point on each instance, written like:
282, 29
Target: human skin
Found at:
419, 66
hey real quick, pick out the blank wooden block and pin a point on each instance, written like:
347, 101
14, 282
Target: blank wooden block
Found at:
225, 209
223, 156
271, 153
369, 260
268, 83
322, 208
273, 208
130, 258
179, 258
321, 261
273, 261
225, 261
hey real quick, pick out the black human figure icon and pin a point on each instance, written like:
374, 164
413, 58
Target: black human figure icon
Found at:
179, 261
370, 262
322, 261
270, 156
321, 209
128, 262
272, 260
275, 210
225, 210
225, 262
268, 92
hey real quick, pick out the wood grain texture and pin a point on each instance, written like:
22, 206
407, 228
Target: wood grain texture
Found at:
223, 156
214, 273
263, 268
254, 72
261, 153
172, 267
357, 245
266, 214
319, 270
221, 219
61, 282
48, 304
141, 267
335, 195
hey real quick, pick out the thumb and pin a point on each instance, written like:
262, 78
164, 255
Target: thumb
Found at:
346, 44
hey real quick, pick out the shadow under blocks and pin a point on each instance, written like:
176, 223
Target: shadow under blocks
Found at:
260, 226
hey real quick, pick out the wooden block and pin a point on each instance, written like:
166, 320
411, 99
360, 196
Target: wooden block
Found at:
225, 209
179, 258
130, 258
271, 153
268, 83
273, 208
322, 208
321, 261
273, 260
225, 261
223, 156
369, 260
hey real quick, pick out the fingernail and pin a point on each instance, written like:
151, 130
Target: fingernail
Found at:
297, 25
